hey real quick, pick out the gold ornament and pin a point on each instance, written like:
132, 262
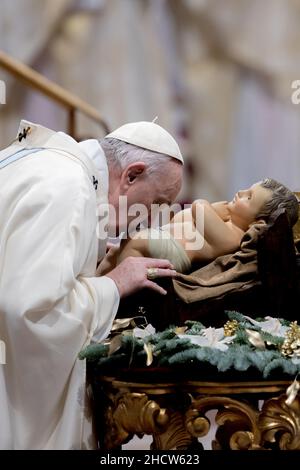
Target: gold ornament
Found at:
291, 344
230, 327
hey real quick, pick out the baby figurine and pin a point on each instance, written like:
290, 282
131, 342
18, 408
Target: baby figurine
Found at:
205, 231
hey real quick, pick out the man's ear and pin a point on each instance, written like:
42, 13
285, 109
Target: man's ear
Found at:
130, 174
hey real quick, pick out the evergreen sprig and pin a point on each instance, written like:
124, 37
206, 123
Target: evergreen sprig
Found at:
169, 350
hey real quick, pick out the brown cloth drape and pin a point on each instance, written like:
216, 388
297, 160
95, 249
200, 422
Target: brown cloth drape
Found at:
225, 274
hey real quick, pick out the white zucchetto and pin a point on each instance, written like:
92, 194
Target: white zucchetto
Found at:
150, 136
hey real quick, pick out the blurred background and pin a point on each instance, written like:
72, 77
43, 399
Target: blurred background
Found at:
217, 73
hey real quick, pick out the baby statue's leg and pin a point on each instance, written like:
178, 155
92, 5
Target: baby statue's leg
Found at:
129, 247
137, 246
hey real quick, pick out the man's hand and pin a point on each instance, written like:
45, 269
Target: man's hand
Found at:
131, 274
221, 208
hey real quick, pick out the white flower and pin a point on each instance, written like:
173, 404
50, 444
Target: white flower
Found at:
255, 339
143, 332
270, 325
211, 338
292, 392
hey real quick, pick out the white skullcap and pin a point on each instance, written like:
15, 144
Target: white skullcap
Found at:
148, 135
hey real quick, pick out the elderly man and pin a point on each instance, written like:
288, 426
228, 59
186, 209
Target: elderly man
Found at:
51, 301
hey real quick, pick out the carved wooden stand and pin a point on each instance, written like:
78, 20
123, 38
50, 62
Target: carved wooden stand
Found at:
175, 414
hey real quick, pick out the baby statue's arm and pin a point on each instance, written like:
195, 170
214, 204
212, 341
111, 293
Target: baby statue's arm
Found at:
220, 236
221, 208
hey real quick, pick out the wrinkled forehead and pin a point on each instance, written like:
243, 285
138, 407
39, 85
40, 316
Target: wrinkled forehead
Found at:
169, 184
168, 194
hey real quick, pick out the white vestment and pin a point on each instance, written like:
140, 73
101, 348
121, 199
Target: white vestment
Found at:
51, 303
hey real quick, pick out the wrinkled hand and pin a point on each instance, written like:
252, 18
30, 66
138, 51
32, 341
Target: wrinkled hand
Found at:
131, 274
221, 208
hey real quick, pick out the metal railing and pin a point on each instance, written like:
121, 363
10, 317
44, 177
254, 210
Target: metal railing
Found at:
55, 92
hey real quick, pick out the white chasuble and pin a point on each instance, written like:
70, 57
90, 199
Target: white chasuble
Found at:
51, 303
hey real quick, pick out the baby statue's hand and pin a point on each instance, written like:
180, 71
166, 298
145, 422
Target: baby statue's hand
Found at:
221, 208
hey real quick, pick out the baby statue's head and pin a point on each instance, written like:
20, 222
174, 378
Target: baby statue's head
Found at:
260, 201
281, 198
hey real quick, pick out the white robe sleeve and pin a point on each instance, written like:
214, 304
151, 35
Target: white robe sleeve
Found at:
50, 303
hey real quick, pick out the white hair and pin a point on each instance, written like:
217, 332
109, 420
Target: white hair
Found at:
119, 155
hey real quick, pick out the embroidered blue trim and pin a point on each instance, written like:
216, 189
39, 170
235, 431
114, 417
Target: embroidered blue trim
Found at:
17, 156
